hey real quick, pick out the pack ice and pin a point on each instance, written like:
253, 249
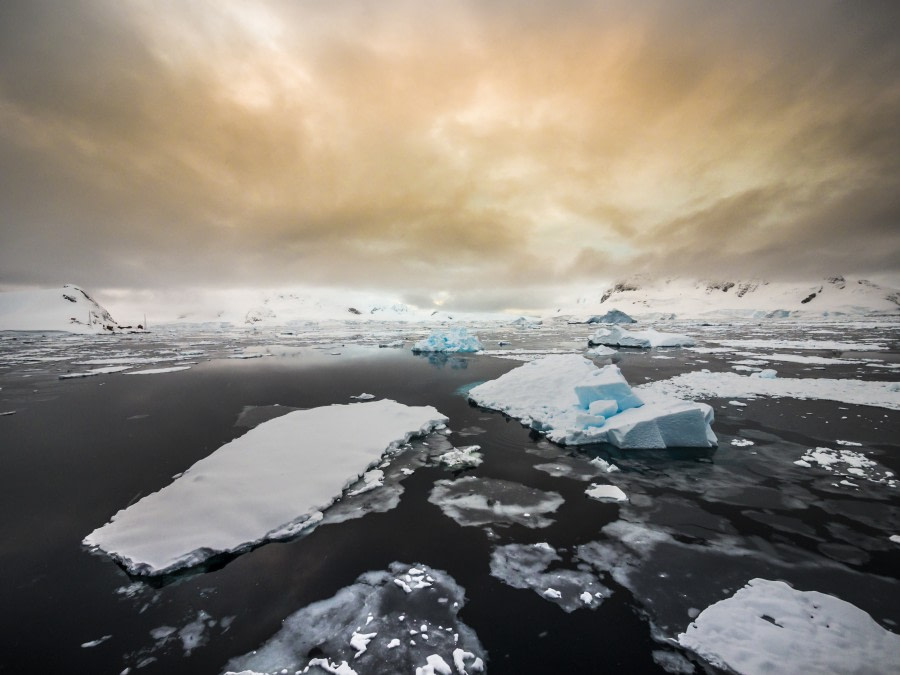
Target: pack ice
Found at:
768, 627
615, 336
568, 398
269, 483
456, 339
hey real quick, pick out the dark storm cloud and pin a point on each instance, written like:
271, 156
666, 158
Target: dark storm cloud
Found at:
445, 147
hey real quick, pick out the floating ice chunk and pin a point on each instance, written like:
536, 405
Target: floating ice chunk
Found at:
457, 339
527, 566
849, 443
472, 501
895, 538
768, 627
603, 465
95, 643
462, 458
741, 442
363, 397
329, 629
106, 370
619, 337
158, 371
549, 394
606, 493
767, 374
266, 484
847, 463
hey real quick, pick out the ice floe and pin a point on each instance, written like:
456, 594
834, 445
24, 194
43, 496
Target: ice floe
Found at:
827, 345
473, 501
769, 627
456, 339
572, 401
528, 566
701, 384
269, 483
462, 458
376, 625
645, 339
606, 493
849, 464
158, 371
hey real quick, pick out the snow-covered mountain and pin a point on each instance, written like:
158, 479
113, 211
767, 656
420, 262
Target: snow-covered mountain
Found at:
67, 309
684, 298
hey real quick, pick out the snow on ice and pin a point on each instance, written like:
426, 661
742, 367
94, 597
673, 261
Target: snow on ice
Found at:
269, 483
359, 629
527, 566
849, 464
769, 627
573, 402
606, 493
456, 339
645, 339
462, 458
700, 384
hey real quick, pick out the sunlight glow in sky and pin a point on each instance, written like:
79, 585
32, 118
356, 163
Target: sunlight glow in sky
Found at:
445, 148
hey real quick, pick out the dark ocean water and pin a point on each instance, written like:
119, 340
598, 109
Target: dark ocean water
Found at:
76, 451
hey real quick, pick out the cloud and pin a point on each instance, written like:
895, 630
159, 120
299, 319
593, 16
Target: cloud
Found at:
445, 147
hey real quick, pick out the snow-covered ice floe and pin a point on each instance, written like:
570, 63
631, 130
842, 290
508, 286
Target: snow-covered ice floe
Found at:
402, 620
645, 339
270, 483
455, 340
573, 402
699, 384
769, 627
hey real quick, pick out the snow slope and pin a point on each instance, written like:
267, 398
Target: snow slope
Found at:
685, 298
64, 309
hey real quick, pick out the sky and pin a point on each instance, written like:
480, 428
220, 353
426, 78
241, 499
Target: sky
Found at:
469, 153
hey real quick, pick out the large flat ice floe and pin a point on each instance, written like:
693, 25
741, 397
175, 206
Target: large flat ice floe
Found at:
403, 620
699, 384
615, 336
573, 402
768, 627
269, 483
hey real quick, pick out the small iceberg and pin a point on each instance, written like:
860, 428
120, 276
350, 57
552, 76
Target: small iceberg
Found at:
455, 340
572, 401
645, 339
